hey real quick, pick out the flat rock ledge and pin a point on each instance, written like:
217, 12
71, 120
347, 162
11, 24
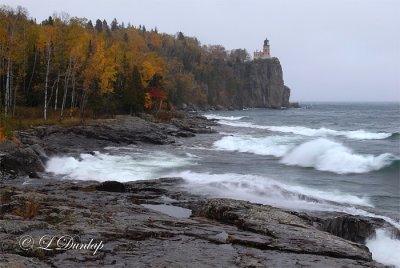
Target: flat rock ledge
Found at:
27, 156
219, 232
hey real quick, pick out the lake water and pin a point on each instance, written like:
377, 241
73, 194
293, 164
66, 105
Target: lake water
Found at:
324, 156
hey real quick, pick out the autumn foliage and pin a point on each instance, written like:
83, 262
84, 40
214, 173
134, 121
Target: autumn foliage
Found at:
69, 67
5, 132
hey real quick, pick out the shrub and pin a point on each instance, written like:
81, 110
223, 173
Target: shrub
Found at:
31, 209
5, 132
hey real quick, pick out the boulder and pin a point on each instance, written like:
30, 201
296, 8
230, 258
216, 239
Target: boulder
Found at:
111, 186
282, 230
19, 160
39, 152
353, 228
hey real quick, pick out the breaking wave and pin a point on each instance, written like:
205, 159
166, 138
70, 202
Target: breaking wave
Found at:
218, 117
268, 191
103, 166
326, 155
265, 190
314, 132
354, 134
394, 135
321, 154
384, 248
274, 145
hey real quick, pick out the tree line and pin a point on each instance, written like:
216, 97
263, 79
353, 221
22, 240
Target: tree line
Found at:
69, 66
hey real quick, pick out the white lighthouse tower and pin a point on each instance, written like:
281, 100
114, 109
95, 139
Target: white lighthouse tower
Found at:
265, 53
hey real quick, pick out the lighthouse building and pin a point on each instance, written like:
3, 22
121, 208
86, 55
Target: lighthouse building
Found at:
265, 53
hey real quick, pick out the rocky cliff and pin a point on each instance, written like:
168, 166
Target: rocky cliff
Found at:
262, 84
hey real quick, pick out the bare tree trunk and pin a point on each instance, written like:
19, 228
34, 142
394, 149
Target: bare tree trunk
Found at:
33, 71
8, 83
15, 99
83, 104
56, 97
159, 108
1, 78
24, 64
47, 80
10, 94
65, 88
7, 99
1, 81
72, 94
52, 89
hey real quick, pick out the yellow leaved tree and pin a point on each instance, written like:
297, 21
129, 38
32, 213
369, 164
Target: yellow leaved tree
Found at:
151, 66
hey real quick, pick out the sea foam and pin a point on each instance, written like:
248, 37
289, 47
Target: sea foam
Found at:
313, 132
268, 191
384, 248
265, 190
273, 145
105, 166
326, 155
219, 117
321, 153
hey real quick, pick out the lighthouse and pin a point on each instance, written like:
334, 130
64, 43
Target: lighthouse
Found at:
265, 53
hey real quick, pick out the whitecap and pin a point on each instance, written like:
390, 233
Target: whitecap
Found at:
265, 190
326, 155
219, 117
104, 166
384, 248
314, 132
268, 191
272, 145
317, 132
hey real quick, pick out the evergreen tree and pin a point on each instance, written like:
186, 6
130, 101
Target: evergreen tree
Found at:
114, 25
181, 36
89, 26
106, 29
68, 56
139, 90
99, 26
49, 21
134, 92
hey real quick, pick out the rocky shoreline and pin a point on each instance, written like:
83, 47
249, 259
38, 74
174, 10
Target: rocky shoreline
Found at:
27, 156
153, 223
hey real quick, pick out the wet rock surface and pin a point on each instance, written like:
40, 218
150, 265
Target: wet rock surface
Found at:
219, 233
16, 159
27, 157
121, 130
153, 223
353, 228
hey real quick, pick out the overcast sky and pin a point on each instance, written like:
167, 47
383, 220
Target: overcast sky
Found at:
331, 50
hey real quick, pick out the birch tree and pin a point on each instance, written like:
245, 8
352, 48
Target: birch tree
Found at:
46, 45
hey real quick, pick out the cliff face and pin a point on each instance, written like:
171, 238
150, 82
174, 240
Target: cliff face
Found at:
262, 84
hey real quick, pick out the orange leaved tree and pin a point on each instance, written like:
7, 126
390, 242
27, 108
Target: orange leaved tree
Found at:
158, 99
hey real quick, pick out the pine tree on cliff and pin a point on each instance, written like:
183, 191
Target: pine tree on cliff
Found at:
134, 92
139, 90
99, 26
114, 25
